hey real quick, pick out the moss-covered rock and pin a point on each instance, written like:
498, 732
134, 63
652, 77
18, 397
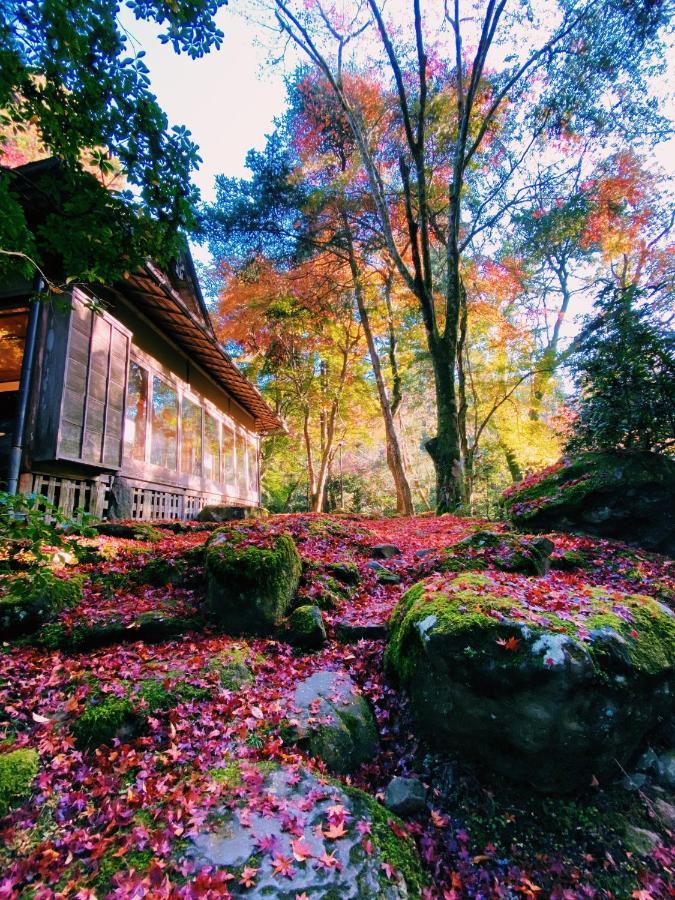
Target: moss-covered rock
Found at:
306, 628
28, 601
107, 717
232, 667
17, 773
547, 694
345, 571
623, 495
506, 551
135, 531
151, 627
250, 587
334, 721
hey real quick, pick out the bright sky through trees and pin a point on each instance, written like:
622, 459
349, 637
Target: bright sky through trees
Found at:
229, 98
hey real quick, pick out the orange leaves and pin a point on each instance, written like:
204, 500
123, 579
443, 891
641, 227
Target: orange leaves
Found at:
512, 643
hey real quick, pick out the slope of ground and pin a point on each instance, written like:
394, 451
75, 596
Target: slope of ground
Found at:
111, 820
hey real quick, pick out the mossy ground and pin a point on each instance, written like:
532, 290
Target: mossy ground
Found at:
17, 773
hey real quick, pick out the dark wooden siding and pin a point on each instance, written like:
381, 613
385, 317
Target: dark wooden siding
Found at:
81, 408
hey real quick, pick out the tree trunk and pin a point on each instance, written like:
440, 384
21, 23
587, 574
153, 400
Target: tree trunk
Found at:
404, 503
444, 449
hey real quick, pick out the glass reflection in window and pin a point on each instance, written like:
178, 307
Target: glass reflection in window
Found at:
136, 414
164, 439
191, 438
228, 455
211, 447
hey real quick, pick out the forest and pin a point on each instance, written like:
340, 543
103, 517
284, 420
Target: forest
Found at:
337, 502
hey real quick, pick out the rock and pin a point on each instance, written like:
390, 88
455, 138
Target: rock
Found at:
349, 634
346, 572
220, 513
665, 812
250, 588
375, 566
405, 796
306, 628
520, 690
640, 841
629, 496
135, 531
31, 602
17, 773
664, 770
384, 551
233, 842
420, 554
334, 721
385, 576
506, 551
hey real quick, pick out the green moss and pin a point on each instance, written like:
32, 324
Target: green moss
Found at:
306, 628
160, 572
251, 587
231, 667
110, 865
17, 772
229, 775
645, 629
102, 721
136, 531
570, 485
29, 600
159, 698
399, 852
346, 571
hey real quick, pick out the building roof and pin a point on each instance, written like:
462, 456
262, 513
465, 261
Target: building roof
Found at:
173, 301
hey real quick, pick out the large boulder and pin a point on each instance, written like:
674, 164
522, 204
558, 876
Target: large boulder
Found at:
504, 550
250, 586
541, 690
342, 843
333, 721
27, 602
621, 495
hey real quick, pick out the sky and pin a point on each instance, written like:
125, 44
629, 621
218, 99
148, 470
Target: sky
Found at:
230, 97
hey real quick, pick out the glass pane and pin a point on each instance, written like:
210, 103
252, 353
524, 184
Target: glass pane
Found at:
252, 466
136, 415
164, 439
228, 455
13, 324
211, 448
241, 463
191, 438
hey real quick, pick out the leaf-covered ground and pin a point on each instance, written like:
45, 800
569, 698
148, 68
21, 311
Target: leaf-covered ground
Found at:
108, 821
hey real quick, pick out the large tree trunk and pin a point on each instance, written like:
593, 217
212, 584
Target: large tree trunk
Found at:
404, 503
444, 449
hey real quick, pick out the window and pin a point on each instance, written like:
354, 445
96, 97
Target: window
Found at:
164, 439
252, 465
191, 438
137, 412
242, 460
211, 447
13, 324
228, 455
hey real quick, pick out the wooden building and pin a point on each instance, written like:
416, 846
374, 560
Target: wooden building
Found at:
134, 409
